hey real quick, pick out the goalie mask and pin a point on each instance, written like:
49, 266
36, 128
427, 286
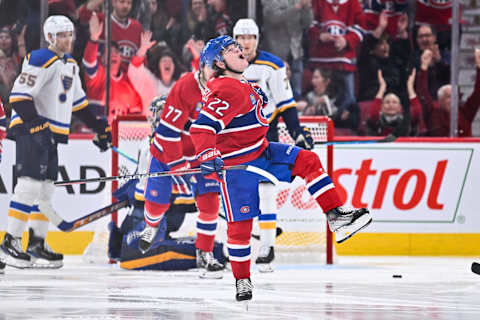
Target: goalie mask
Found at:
54, 25
156, 108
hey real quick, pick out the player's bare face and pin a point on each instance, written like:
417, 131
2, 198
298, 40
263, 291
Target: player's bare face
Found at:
249, 44
234, 58
167, 68
122, 8
5, 41
64, 41
206, 73
391, 105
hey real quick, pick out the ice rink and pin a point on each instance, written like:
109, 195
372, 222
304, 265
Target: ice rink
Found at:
355, 288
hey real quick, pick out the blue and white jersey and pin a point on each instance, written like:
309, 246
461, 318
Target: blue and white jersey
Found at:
269, 72
53, 85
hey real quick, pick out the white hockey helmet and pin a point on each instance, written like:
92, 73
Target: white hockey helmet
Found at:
245, 27
54, 25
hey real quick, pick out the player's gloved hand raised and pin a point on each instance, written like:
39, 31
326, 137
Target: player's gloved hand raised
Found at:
261, 93
304, 139
211, 164
39, 128
103, 138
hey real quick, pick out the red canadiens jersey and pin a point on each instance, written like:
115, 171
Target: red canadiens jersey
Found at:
123, 97
394, 9
434, 12
338, 18
126, 36
232, 121
172, 144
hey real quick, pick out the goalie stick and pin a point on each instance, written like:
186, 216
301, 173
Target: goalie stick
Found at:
67, 226
389, 138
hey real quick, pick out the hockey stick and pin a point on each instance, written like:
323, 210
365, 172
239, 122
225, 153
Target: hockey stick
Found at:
476, 268
389, 138
148, 175
120, 152
77, 223
279, 230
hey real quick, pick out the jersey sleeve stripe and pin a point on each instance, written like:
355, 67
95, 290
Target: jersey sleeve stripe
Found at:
268, 63
169, 126
50, 62
243, 128
203, 128
80, 104
18, 96
243, 151
209, 120
288, 102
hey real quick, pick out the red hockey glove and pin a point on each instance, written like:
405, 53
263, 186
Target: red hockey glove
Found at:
211, 164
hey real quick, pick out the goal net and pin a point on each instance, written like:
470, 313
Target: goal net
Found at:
305, 236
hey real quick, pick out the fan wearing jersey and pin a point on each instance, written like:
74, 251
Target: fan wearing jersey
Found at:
172, 149
269, 72
3, 127
231, 129
43, 98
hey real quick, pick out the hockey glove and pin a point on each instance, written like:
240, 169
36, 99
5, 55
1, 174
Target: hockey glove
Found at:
304, 139
39, 130
211, 164
261, 93
103, 138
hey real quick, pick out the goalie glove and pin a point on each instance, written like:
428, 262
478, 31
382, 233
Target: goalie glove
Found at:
303, 138
103, 138
211, 164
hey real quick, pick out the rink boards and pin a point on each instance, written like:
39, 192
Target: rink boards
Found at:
421, 193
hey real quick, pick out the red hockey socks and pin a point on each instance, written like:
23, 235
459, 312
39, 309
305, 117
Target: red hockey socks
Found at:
238, 244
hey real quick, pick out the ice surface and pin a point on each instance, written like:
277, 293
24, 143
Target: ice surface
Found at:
355, 288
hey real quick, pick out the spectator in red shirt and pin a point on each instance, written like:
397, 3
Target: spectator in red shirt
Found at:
123, 97
392, 9
387, 115
125, 31
437, 113
3, 127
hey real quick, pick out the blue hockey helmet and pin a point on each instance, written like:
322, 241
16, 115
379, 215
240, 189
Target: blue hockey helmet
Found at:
212, 51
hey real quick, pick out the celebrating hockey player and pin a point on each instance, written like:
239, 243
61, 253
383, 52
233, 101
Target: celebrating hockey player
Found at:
172, 149
231, 129
43, 98
269, 72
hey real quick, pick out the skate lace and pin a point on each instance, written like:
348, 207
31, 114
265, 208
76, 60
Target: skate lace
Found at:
244, 286
264, 251
210, 259
17, 244
148, 233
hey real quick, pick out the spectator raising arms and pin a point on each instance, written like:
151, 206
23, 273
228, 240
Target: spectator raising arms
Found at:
160, 76
12, 50
437, 113
386, 114
125, 31
123, 97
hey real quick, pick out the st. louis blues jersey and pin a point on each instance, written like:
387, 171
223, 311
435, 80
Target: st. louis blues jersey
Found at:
232, 121
48, 87
269, 72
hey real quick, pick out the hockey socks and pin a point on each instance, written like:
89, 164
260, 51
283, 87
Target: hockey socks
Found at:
239, 250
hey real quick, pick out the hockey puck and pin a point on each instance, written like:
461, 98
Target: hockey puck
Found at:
476, 268
397, 276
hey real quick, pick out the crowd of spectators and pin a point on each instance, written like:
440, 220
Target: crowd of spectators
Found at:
374, 66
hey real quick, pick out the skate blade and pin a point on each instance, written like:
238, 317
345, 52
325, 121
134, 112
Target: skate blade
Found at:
204, 274
12, 262
44, 264
244, 304
346, 232
265, 268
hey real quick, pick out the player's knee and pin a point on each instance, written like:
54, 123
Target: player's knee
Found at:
239, 232
27, 190
306, 163
208, 205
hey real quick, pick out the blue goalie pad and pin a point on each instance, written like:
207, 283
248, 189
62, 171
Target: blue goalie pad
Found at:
174, 254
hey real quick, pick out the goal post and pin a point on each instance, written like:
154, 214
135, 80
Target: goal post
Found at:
305, 230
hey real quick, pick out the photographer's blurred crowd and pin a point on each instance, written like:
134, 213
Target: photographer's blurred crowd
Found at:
374, 66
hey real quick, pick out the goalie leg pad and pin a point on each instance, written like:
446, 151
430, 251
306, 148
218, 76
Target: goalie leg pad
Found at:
208, 205
25, 193
319, 184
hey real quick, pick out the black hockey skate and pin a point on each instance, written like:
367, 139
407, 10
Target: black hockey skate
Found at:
146, 238
345, 222
13, 254
266, 255
244, 290
2, 267
41, 254
210, 268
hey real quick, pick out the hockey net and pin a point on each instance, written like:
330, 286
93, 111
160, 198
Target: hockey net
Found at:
305, 236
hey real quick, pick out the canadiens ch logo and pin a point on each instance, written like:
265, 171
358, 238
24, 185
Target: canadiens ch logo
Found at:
154, 193
245, 209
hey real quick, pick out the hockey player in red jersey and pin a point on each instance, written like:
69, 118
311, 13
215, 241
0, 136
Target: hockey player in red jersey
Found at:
172, 149
231, 130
